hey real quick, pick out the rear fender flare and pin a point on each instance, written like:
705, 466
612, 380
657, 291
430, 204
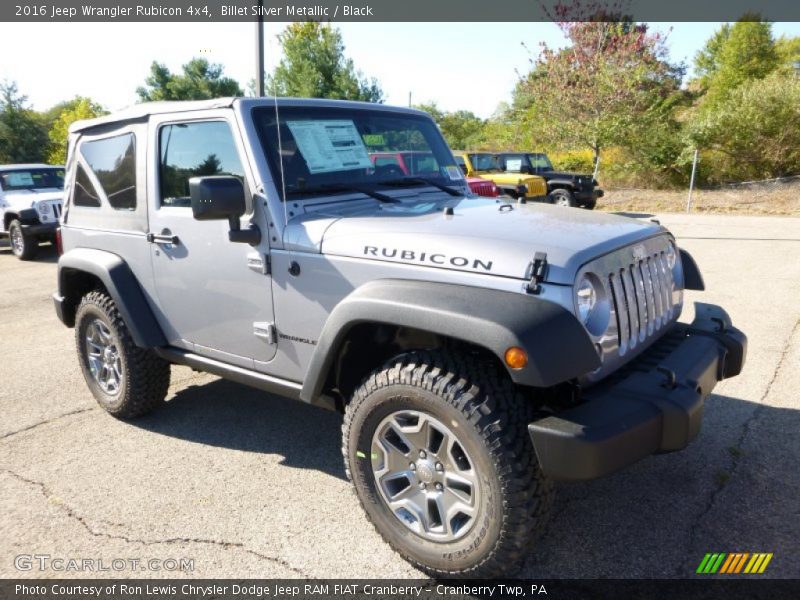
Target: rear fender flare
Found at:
120, 282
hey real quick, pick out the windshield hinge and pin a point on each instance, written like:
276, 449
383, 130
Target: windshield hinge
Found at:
538, 267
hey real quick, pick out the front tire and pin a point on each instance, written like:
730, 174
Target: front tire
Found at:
127, 381
562, 197
438, 450
23, 246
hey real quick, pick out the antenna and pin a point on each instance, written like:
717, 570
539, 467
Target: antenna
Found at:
260, 50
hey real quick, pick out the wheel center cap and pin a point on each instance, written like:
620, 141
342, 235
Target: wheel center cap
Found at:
108, 355
425, 471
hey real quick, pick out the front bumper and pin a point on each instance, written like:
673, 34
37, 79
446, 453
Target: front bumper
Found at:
654, 404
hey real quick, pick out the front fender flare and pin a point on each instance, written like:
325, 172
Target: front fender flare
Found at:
28, 216
692, 279
558, 346
561, 183
121, 284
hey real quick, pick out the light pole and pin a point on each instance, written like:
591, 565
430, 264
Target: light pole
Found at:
260, 50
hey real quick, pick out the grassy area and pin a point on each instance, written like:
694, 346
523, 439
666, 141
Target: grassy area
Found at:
763, 198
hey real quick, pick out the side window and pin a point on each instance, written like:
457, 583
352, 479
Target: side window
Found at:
194, 150
113, 161
84, 193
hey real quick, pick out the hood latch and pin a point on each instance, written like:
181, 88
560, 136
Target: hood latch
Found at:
538, 268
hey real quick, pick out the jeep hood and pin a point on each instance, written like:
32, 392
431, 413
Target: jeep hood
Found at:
562, 175
481, 236
507, 178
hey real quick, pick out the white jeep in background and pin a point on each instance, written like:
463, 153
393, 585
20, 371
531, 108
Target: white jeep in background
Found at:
30, 205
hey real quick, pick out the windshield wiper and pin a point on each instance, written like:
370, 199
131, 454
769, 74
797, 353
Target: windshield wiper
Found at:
424, 181
343, 188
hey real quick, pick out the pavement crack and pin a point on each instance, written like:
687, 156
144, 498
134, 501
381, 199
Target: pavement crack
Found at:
80, 519
46, 421
735, 453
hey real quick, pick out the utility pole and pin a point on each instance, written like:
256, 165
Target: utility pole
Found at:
691, 181
260, 50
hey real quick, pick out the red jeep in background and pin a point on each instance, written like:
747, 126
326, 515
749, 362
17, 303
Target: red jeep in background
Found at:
423, 163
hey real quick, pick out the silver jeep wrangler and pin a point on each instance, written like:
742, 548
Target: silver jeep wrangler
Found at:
478, 349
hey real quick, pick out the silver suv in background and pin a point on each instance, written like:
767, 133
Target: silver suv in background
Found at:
30, 205
479, 349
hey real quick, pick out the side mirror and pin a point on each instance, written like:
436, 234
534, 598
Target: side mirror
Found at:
217, 198
221, 197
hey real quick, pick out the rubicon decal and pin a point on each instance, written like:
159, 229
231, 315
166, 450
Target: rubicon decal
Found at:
431, 258
721, 563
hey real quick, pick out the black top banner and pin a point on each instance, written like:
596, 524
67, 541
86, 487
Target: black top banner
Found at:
204, 11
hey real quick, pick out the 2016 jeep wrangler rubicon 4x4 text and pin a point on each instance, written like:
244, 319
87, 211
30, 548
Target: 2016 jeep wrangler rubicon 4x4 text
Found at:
478, 349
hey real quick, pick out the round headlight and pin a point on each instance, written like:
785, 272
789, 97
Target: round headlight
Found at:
44, 208
585, 299
671, 255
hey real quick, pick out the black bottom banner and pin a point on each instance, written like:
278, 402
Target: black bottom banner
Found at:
377, 589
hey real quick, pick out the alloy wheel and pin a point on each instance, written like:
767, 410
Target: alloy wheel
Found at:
103, 356
425, 475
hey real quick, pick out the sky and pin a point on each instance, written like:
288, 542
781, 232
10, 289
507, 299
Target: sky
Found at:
471, 66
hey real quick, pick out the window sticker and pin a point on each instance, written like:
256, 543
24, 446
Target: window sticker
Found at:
19, 179
329, 146
454, 173
514, 164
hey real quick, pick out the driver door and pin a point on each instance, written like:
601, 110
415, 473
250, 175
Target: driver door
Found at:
214, 296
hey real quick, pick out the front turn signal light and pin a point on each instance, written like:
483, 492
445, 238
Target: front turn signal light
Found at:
516, 357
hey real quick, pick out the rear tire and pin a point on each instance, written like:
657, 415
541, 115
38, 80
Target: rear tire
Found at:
23, 246
562, 197
127, 381
498, 497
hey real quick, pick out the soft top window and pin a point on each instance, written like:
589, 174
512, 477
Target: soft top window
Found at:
113, 161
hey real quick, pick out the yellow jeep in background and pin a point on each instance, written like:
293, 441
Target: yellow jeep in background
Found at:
517, 185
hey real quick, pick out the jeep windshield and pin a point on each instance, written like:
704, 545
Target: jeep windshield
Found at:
485, 162
325, 151
521, 162
34, 180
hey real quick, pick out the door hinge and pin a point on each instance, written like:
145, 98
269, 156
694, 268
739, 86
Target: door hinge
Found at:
538, 269
259, 263
265, 331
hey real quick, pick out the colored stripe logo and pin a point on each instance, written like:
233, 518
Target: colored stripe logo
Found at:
734, 563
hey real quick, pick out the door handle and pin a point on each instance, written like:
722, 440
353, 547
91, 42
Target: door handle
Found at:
156, 238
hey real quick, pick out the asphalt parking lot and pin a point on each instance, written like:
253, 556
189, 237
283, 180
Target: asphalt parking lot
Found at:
251, 485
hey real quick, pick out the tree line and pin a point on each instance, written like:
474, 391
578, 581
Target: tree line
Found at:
610, 95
